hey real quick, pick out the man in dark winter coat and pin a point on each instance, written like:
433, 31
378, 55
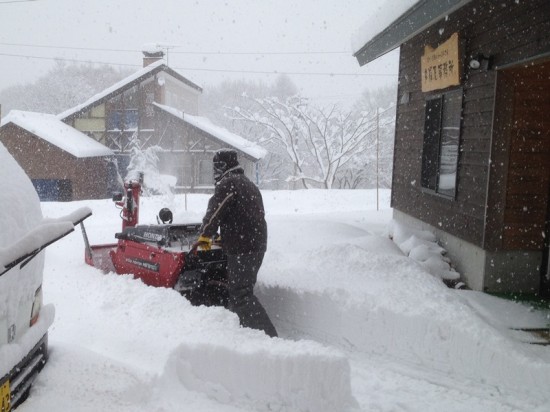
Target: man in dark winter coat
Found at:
237, 209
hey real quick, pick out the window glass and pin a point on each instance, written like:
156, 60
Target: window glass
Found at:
184, 175
123, 119
441, 142
450, 134
430, 149
205, 173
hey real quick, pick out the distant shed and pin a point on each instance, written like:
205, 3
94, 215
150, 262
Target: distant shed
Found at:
63, 163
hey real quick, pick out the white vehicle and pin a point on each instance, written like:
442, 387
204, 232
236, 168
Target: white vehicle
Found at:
24, 322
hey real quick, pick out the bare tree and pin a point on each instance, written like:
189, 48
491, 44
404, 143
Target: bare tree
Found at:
374, 167
318, 141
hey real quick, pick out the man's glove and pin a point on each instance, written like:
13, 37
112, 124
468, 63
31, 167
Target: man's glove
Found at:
204, 243
217, 240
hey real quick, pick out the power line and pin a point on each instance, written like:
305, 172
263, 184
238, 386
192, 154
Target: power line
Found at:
284, 72
67, 60
262, 53
210, 52
207, 70
16, 1
43, 46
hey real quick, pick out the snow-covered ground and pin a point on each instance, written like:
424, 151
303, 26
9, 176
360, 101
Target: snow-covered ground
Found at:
363, 326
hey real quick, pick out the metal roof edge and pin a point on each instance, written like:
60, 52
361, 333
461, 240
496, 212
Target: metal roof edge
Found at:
415, 20
166, 109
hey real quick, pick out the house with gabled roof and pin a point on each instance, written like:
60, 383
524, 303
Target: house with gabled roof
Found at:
189, 141
472, 136
154, 107
140, 109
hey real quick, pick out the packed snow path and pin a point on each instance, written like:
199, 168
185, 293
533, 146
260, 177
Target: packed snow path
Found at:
341, 294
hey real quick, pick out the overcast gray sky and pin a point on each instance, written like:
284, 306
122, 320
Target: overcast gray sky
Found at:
210, 40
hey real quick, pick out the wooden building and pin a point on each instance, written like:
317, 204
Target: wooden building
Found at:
472, 140
189, 143
63, 163
126, 114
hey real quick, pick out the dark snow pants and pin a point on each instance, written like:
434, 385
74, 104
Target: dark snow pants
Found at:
242, 272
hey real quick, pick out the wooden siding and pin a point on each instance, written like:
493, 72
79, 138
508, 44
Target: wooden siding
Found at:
180, 96
508, 32
42, 160
528, 179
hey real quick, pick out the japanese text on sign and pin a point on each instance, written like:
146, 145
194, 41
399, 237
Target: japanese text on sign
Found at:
440, 66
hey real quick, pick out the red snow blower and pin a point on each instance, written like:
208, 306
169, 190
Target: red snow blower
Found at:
161, 255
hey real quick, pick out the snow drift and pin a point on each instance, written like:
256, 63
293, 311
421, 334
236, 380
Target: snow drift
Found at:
340, 292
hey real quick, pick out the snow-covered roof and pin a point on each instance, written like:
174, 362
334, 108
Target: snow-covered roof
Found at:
159, 65
49, 128
225, 136
393, 24
381, 18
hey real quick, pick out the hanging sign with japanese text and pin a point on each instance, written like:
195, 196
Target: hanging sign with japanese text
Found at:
441, 66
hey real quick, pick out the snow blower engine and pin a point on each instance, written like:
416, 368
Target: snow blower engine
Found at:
161, 255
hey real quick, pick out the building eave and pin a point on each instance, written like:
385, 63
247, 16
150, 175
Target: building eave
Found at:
254, 153
416, 19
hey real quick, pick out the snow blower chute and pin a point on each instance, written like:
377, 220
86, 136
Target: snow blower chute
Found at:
161, 255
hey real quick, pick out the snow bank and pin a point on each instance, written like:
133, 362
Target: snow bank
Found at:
277, 375
463, 346
331, 274
422, 246
360, 293
196, 348
319, 201
76, 379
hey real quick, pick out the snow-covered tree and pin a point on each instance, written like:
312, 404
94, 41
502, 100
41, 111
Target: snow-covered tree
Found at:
222, 104
373, 99
146, 161
219, 102
373, 168
319, 142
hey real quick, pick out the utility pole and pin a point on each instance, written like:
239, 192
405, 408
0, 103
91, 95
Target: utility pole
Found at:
377, 144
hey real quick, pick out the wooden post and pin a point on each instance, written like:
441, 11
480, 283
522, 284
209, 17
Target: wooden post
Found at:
377, 144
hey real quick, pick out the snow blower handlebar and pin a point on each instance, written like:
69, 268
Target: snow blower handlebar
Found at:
215, 242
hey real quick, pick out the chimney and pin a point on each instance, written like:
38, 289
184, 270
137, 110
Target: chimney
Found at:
152, 52
151, 57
